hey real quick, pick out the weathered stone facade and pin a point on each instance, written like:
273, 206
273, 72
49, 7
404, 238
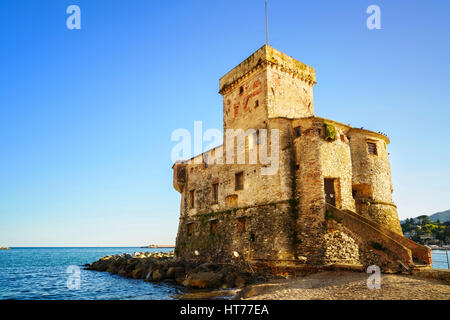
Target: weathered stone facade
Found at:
328, 201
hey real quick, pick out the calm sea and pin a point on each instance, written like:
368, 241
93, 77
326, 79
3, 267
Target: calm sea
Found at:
440, 259
41, 273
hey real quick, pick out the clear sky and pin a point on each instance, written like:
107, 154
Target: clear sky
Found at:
87, 115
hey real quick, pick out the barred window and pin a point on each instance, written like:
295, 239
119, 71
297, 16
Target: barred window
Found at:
239, 181
190, 229
215, 192
372, 148
192, 198
205, 161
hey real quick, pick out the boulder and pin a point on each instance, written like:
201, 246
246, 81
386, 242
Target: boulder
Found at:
138, 273
112, 269
158, 275
102, 266
203, 280
230, 279
227, 269
122, 273
130, 267
206, 267
180, 278
241, 280
172, 272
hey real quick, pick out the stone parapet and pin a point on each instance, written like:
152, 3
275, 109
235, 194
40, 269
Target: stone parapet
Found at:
267, 55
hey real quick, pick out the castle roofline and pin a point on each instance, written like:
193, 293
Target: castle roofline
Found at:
376, 134
350, 128
267, 55
198, 155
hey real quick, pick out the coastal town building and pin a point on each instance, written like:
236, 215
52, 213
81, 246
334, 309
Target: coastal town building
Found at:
319, 194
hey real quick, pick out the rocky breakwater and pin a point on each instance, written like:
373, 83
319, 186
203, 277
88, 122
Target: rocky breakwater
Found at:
164, 267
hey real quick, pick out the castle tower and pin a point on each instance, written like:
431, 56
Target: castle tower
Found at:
266, 91
268, 84
372, 182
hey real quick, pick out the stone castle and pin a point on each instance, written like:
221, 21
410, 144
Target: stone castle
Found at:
329, 203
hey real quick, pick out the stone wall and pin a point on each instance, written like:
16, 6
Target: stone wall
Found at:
245, 105
257, 189
288, 95
255, 232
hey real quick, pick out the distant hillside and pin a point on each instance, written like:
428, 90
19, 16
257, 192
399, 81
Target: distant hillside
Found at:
443, 216
429, 230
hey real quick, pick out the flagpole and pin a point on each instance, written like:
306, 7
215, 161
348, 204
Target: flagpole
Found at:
267, 27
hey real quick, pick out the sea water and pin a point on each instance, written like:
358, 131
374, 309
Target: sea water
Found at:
440, 259
42, 273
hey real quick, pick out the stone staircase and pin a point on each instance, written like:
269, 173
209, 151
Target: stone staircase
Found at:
410, 255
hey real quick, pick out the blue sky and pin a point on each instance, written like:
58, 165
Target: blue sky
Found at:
87, 115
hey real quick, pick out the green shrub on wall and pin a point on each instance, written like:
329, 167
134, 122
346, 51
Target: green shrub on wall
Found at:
330, 132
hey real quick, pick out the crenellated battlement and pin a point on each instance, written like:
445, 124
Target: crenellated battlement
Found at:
263, 57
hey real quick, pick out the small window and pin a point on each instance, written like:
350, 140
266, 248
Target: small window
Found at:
192, 198
240, 225
297, 167
256, 103
239, 181
362, 191
372, 148
213, 227
190, 229
215, 193
298, 132
241, 90
205, 161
